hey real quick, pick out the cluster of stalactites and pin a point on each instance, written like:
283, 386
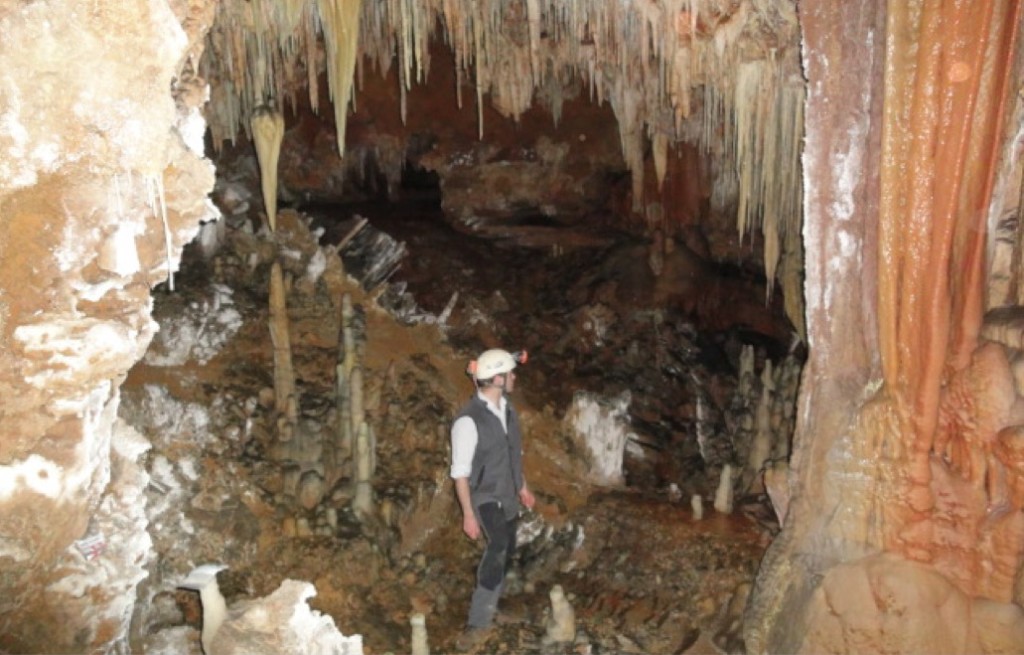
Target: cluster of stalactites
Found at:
256, 57
724, 73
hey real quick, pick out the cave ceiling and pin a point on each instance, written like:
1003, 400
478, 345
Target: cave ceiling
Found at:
722, 76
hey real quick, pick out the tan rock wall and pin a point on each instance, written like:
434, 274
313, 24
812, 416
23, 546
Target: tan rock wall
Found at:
102, 181
885, 604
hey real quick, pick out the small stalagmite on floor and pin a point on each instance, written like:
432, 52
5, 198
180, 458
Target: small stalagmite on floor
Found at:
419, 635
697, 504
724, 494
561, 626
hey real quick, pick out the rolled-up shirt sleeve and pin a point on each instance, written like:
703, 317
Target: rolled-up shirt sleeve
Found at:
464, 438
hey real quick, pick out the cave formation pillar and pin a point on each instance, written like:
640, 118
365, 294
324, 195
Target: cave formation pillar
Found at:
901, 404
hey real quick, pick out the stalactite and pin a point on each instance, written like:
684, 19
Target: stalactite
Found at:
340, 21
268, 132
158, 205
659, 144
656, 61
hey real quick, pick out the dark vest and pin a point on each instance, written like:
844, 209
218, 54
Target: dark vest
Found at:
497, 473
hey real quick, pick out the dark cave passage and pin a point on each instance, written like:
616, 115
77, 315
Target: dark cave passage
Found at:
585, 314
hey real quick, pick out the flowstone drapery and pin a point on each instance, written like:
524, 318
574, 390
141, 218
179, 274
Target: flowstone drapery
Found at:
905, 465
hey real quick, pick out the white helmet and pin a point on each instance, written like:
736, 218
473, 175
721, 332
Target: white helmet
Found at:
492, 362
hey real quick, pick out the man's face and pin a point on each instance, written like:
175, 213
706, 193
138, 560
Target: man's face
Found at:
510, 381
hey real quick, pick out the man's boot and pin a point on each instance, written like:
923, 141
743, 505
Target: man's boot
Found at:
480, 625
472, 639
483, 606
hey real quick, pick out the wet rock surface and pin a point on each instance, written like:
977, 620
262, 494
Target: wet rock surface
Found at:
237, 480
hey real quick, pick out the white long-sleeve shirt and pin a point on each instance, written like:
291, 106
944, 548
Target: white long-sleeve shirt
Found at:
465, 436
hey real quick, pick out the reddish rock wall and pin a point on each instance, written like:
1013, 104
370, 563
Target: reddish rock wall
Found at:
904, 476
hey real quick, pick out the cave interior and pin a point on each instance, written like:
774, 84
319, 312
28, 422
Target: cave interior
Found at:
774, 398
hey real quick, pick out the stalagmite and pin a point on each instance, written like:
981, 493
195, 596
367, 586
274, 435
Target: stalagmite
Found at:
284, 376
746, 374
268, 132
346, 363
362, 501
659, 145
697, 505
348, 336
561, 625
724, 494
310, 489
355, 391
372, 445
762, 445
419, 634
339, 449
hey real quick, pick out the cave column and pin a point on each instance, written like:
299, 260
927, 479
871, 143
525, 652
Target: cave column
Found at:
889, 462
840, 202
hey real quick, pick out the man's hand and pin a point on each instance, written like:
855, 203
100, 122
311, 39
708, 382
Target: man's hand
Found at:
470, 526
526, 497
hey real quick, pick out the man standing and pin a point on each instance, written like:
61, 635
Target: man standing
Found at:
487, 466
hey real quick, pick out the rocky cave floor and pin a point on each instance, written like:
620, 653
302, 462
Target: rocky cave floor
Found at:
641, 573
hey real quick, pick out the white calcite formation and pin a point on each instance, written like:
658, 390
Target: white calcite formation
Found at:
724, 494
418, 623
279, 623
561, 625
602, 426
199, 332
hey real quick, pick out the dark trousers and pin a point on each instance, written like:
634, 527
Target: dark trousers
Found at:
501, 545
490, 574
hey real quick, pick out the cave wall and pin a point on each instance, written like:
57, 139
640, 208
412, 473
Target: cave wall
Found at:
102, 182
905, 530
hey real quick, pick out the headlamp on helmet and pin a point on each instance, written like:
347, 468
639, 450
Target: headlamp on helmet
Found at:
495, 362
